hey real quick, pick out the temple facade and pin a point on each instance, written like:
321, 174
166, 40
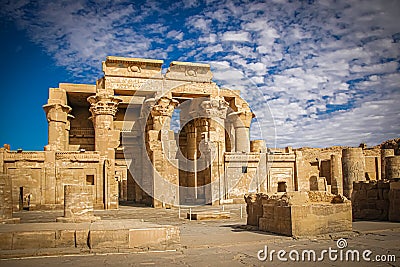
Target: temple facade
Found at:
169, 139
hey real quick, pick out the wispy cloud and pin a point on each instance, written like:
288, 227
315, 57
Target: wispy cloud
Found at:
329, 70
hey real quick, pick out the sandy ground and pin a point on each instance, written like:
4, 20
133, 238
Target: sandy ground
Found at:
229, 243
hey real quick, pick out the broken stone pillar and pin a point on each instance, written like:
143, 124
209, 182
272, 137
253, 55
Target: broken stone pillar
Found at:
353, 168
6, 200
384, 154
241, 122
103, 108
57, 117
230, 132
392, 167
336, 175
78, 204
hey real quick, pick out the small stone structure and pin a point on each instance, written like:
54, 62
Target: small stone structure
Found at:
78, 204
301, 213
376, 200
6, 215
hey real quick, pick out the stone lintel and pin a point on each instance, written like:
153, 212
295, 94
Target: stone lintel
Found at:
78, 88
133, 59
132, 67
187, 71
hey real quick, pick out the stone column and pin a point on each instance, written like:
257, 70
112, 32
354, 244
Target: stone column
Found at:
336, 175
230, 144
57, 117
165, 171
103, 108
215, 110
392, 167
385, 153
191, 154
241, 122
353, 168
67, 130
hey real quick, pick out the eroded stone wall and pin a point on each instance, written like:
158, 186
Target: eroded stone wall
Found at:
376, 200
300, 213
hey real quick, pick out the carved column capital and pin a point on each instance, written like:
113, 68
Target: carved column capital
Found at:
57, 112
103, 104
212, 108
241, 118
164, 106
162, 111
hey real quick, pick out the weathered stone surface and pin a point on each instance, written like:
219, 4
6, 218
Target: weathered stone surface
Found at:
353, 168
78, 204
392, 167
305, 214
37, 239
111, 235
155, 238
394, 202
108, 238
6, 200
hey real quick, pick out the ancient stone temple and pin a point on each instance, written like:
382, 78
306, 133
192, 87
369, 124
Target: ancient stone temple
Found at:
117, 137
168, 138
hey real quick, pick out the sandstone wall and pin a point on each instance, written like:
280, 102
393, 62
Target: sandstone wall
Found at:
300, 213
371, 200
376, 200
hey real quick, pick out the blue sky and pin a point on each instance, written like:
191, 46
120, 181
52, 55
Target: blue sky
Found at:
327, 71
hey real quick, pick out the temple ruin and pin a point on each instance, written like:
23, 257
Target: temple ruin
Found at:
169, 139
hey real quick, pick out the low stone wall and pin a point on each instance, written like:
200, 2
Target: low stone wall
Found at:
301, 213
376, 200
254, 207
100, 236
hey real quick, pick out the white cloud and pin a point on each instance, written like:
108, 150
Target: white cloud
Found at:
235, 36
309, 59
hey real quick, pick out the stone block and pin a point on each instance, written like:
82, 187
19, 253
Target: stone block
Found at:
65, 238
108, 238
6, 241
394, 205
209, 215
82, 238
154, 238
306, 219
383, 184
372, 193
38, 239
78, 204
395, 185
